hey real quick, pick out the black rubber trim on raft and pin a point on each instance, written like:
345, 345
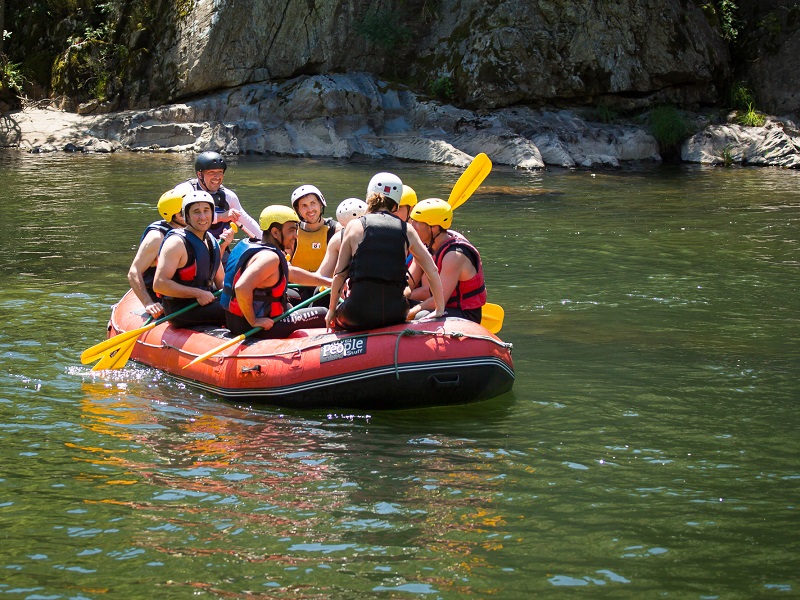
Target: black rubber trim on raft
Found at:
419, 384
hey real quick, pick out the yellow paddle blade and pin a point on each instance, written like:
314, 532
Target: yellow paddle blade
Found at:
213, 351
492, 317
116, 358
99, 350
469, 181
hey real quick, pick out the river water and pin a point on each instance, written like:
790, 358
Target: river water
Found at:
649, 448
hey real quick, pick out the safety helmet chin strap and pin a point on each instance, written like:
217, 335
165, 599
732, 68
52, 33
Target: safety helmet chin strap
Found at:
202, 180
279, 243
435, 237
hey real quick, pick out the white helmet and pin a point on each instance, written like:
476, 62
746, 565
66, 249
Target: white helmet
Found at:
350, 209
304, 190
196, 196
387, 184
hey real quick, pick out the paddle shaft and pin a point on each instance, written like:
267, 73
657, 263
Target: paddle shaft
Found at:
98, 350
303, 304
249, 332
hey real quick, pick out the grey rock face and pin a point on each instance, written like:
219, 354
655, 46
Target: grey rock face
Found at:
776, 144
341, 116
493, 53
345, 115
505, 52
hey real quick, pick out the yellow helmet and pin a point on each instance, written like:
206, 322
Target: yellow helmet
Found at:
170, 204
409, 197
276, 213
433, 211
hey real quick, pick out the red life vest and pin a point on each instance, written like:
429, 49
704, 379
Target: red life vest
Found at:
469, 294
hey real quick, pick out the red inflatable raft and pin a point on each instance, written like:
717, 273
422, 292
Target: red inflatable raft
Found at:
432, 363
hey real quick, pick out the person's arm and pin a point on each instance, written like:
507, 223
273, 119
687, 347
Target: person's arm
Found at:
328, 263
423, 257
260, 272
225, 239
219, 277
352, 234
245, 221
452, 267
423, 292
171, 257
414, 278
145, 257
417, 288
303, 277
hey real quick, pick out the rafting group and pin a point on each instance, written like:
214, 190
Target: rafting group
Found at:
384, 260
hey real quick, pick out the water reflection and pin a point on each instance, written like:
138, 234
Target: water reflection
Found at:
292, 491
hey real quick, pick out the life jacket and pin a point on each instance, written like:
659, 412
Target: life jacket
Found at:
221, 205
469, 294
203, 260
381, 255
149, 274
312, 245
267, 302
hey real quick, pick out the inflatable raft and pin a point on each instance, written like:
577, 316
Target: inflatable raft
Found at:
430, 363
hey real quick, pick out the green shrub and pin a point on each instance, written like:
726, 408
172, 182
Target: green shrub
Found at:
741, 97
383, 28
669, 127
751, 117
727, 156
724, 13
442, 88
12, 79
603, 113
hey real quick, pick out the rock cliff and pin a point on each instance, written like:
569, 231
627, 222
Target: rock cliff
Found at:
479, 53
530, 83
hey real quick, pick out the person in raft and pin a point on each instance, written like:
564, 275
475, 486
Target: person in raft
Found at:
143, 268
210, 170
256, 279
408, 200
348, 209
315, 231
373, 257
189, 267
457, 260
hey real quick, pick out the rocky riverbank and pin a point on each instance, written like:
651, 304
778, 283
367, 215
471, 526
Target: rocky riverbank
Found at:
345, 115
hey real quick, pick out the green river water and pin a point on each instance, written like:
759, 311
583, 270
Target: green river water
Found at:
649, 448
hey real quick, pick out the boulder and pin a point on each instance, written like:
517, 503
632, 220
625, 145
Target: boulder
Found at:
776, 144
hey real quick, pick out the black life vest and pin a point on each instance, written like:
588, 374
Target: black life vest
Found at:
381, 255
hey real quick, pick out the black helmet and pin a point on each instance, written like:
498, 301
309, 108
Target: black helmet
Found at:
209, 160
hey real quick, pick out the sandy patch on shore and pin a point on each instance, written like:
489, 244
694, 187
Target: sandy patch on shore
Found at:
35, 127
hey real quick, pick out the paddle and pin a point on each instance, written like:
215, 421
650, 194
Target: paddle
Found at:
118, 342
250, 332
478, 170
470, 179
116, 358
492, 317
117, 355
